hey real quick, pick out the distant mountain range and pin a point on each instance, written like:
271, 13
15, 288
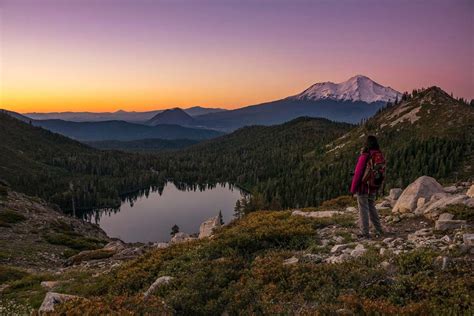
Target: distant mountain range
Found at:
350, 101
118, 115
123, 131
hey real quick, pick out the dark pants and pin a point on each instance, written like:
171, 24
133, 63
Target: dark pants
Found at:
368, 211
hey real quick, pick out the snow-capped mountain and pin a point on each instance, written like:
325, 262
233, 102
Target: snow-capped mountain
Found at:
357, 88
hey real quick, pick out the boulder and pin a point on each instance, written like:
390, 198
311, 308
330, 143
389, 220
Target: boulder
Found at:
394, 194
116, 246
48, 285
438, 202
423, 187
320, 214
180, 237
163, 280
358, 251
160, 245
52, 299
468, 239
207, 227
445, 216
449, 224
470, 192
337, 248
291, 260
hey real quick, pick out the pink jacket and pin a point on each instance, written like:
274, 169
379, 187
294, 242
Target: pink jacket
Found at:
357, 187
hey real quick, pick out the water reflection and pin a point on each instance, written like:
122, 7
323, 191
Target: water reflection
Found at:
148, 215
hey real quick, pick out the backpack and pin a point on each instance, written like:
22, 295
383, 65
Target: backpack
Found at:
374, 173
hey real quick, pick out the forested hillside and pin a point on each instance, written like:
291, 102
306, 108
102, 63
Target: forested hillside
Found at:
38, 162
306, 161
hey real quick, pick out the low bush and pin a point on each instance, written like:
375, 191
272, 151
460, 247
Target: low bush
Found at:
11, 217
10, 274
74, 241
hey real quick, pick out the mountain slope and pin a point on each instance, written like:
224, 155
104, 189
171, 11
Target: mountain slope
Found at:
357, 88
356, 99
143, 145
38, 162
120, 130
297, 164
174, 116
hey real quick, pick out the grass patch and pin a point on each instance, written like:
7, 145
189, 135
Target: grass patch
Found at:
460, 211
338, 203
9, 274
91, 255
74, 241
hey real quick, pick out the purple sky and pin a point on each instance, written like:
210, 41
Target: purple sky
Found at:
142, 54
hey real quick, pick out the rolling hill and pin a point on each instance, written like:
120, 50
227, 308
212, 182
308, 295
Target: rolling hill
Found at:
38, 162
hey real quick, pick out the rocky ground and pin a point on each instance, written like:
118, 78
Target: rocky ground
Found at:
424, 216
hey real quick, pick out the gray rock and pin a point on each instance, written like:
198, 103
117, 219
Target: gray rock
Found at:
468, 239
449, 224
451, 189
337, 248
52, 299
180, 237
423, 187
315, 258
395, 194
116, 246
351, 209
291, 260
321, 214
207, 227
439, 202
163, 280
358, 251
160, 245
445, 217
48, 285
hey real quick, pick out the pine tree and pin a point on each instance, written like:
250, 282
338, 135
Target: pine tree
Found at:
174, 230
221, 219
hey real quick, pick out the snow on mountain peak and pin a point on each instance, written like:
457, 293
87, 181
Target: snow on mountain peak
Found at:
357, 88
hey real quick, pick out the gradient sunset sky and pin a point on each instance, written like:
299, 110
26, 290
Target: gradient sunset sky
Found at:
105, 55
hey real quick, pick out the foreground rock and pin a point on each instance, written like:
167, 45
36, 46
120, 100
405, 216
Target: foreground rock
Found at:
423, 188
470, 192
449, 224
163, 280
52, 299
321, 214
206, 229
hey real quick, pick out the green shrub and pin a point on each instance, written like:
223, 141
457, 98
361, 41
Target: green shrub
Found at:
73, 241
11, 217
461, 211
9, 274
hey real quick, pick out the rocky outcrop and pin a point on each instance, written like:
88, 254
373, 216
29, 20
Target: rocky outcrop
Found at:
52, 299
438, 202
163, 280
424, 187
320, 214
206, 229
180, 237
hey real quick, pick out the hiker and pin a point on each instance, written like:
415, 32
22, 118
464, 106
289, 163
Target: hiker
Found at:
368, 178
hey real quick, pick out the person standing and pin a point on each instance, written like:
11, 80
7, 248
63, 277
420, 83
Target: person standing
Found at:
368, 178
